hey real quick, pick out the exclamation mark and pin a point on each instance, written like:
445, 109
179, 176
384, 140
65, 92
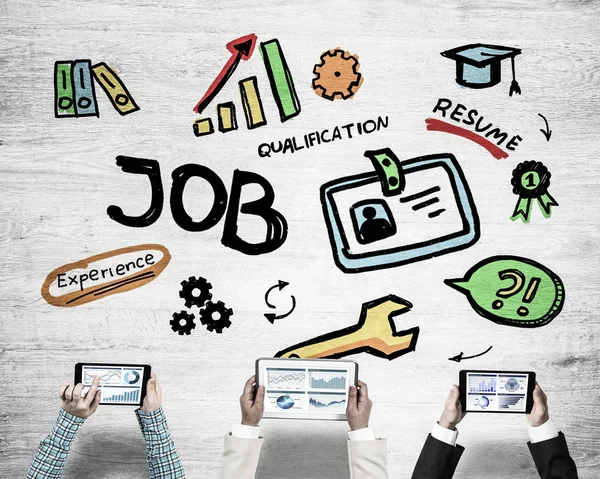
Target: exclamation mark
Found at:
529, 295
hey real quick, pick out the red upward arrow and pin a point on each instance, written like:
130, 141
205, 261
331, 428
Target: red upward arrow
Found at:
241, 49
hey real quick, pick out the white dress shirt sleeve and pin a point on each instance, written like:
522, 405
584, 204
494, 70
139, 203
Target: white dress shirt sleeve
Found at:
445, 435
364, 434
542, 433
246, 432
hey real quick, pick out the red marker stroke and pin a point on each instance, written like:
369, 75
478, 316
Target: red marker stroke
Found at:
439, 125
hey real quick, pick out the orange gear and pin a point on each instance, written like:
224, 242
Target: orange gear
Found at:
337, 75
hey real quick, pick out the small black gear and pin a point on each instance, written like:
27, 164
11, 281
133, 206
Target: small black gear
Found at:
192, 284
185, 328
212, 324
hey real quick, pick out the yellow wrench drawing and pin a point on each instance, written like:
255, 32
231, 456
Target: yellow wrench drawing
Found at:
374, 334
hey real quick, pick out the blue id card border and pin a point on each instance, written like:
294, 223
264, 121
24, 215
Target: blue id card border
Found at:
387, 258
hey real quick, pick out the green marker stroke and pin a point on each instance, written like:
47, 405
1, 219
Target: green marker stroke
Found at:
280, 79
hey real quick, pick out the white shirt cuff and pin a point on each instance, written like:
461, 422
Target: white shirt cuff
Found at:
246, 432
542, 433
364, 434
445, 435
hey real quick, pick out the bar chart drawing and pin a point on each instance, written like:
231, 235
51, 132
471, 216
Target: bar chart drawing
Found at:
280, 81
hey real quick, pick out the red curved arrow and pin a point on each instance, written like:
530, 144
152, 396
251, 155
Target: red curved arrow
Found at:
241, 49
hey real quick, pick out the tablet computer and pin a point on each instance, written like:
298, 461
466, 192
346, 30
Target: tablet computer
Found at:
496, 391
121, 384
306, 388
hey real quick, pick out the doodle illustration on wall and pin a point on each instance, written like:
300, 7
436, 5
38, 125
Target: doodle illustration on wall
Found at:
337, 75
488, 136
374, 334
400, 213
276, 225
530, 181
74, 92
104, 274
280, 80
478, 65
512, 291
196, 292
272, 317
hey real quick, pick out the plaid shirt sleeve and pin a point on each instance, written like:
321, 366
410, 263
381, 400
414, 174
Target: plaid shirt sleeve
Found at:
54, 450
162, 457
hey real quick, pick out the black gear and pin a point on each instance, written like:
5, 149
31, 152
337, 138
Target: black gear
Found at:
188, 287
183, 328
217, 325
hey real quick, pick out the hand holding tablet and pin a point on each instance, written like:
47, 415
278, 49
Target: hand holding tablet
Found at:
307, 388
121, 384
497, 391
359, 407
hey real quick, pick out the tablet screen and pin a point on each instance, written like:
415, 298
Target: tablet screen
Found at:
119, 384
497, 392
300, 388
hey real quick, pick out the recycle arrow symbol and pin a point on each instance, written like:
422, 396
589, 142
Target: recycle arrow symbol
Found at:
271, 317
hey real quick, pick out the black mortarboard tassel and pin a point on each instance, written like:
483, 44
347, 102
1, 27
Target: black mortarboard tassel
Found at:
514, 86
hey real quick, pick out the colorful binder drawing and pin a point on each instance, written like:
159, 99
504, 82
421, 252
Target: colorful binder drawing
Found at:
64, 100
85, 95
115, 89
75, 94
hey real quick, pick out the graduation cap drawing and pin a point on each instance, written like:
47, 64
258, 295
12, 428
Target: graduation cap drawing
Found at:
478, 65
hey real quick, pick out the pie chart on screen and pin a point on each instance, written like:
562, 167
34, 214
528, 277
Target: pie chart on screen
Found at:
285, 402
132, 377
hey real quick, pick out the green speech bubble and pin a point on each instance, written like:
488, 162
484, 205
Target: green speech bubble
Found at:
513, 291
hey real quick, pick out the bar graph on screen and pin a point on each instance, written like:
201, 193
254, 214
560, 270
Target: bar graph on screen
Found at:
511, 402
482, 383
327, 379
128, 396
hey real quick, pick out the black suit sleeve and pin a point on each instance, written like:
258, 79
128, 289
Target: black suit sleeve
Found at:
438, 460
552, 458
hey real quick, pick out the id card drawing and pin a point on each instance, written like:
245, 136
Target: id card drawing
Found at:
433, 215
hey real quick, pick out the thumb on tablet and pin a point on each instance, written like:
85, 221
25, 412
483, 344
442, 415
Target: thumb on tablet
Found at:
352, 396
260, 396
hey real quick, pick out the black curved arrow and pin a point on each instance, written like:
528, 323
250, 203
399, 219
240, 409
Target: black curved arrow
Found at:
547, 132
459, 357
271, 317
280, 284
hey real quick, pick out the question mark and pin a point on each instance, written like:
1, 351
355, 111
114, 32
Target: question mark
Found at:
518, 279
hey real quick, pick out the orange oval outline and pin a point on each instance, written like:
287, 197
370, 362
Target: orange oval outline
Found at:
124, 283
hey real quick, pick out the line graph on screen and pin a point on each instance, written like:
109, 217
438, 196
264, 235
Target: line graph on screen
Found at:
326, 403
107, 376
286, 379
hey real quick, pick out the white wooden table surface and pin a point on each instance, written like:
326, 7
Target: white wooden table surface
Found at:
58, 176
